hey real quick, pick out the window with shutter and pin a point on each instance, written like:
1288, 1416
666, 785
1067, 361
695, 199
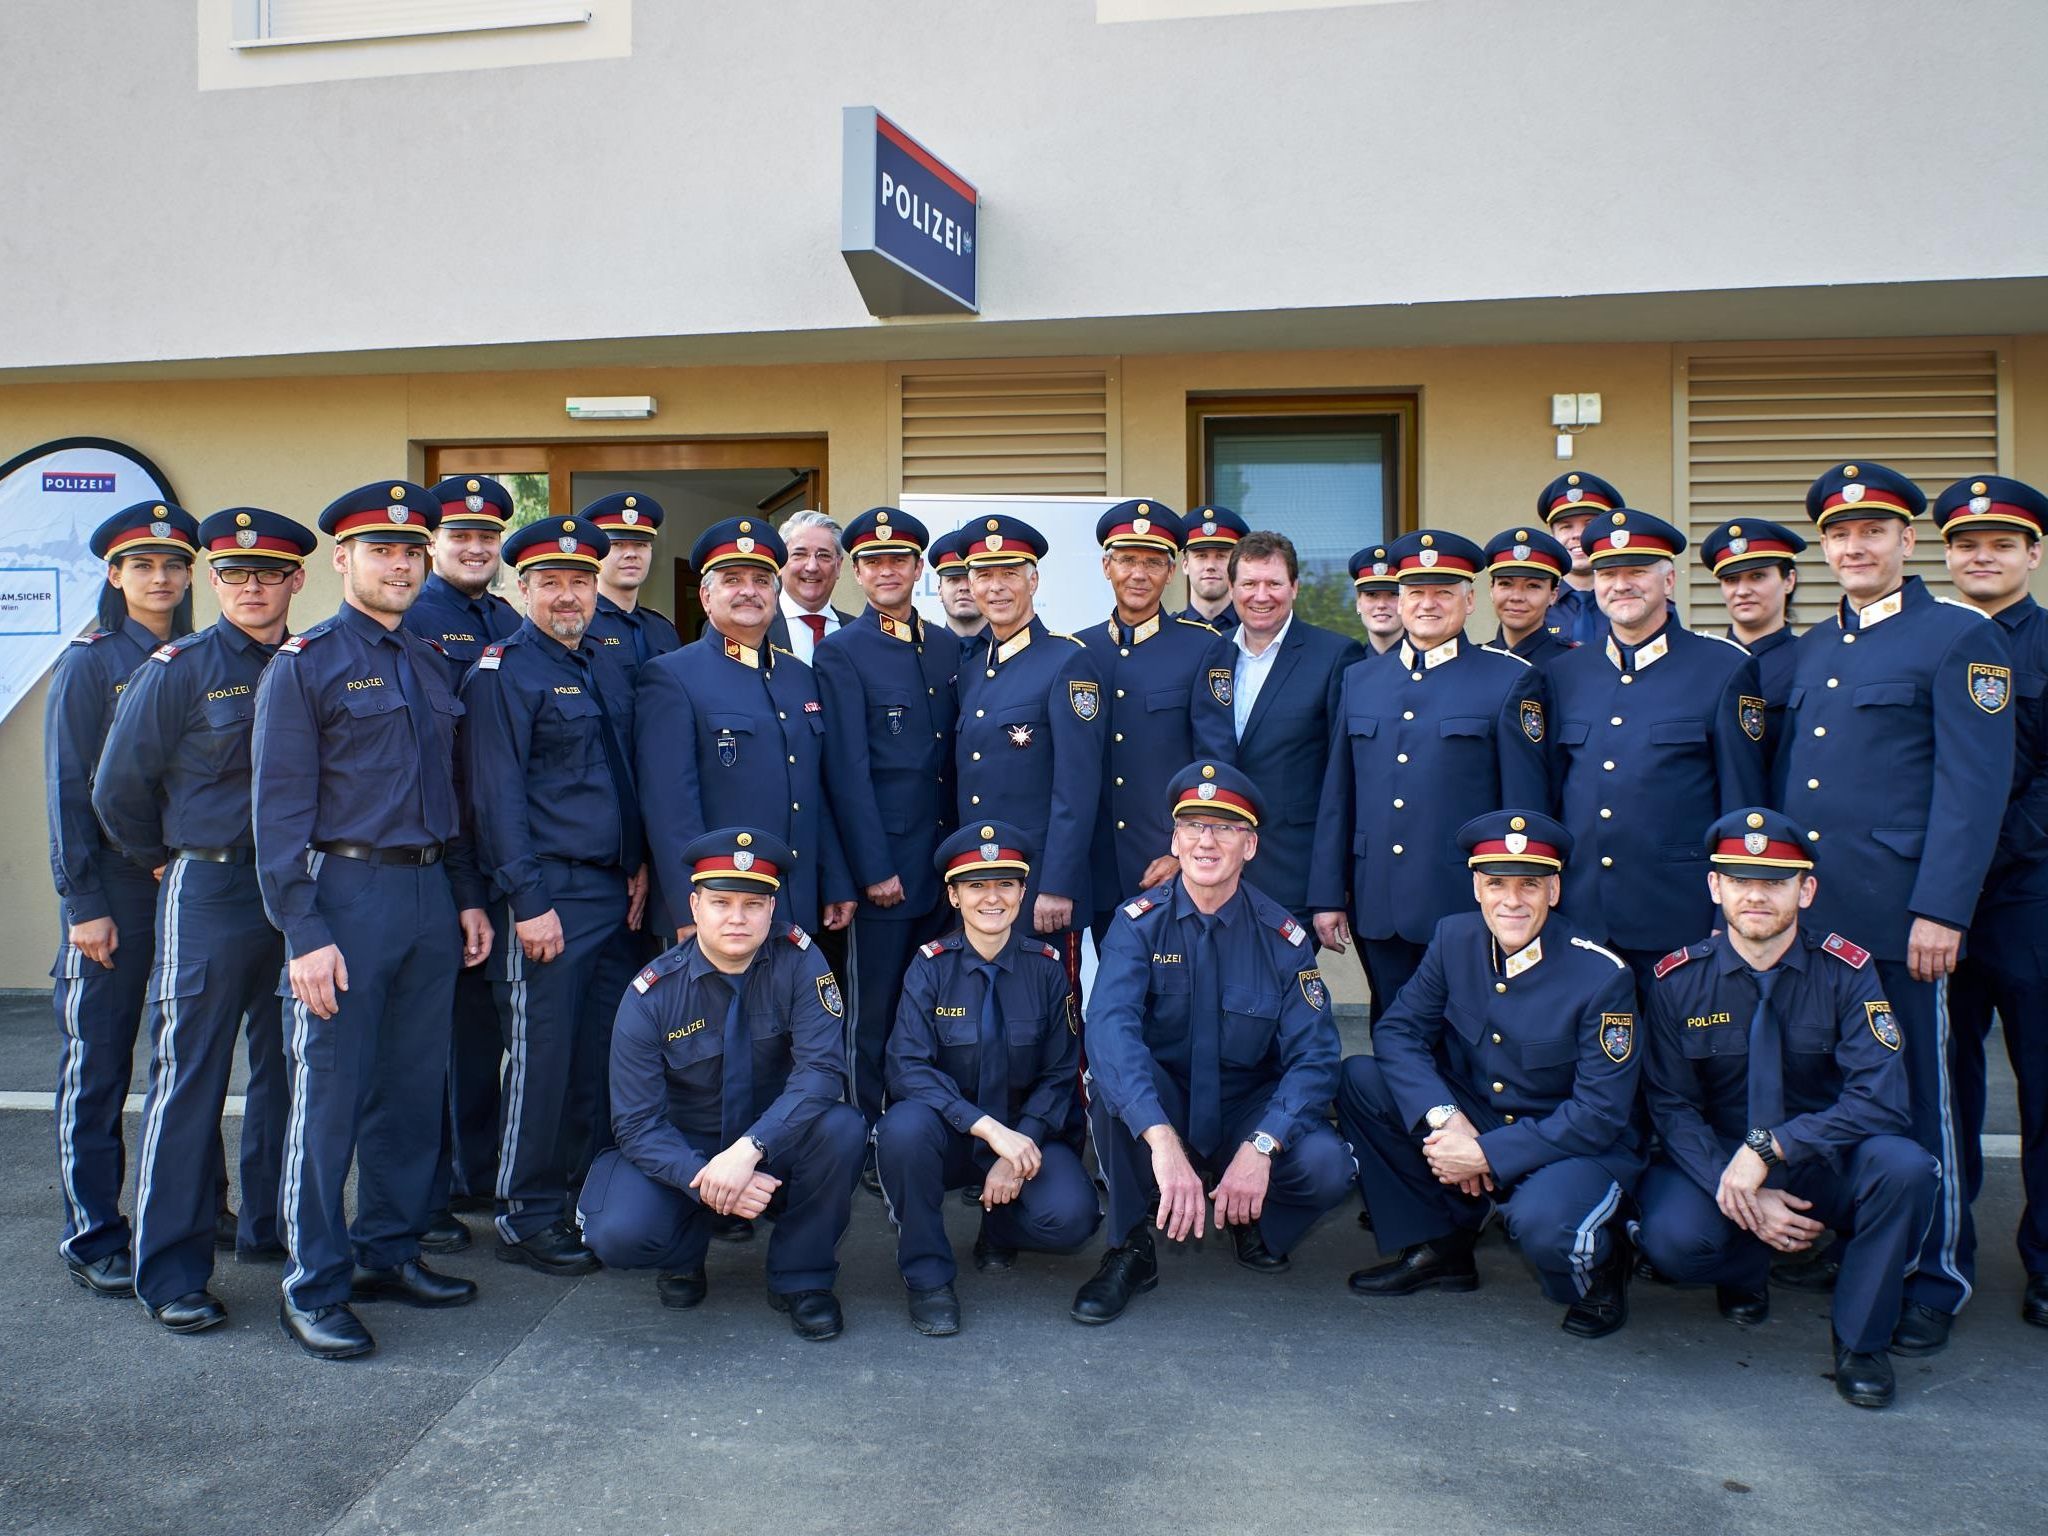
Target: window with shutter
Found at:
1757, 424
275, 23
1014, 430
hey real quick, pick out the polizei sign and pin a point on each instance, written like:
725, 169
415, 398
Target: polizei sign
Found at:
906, 222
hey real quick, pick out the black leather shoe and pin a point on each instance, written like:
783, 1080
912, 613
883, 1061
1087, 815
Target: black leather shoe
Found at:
970, 1194
2034, 1307
1813, 1270
1253, 1253
1365, 1220
813, 1315
870, 1175
444, 1234
992, 1256
224, 1225
553, 1250
732, 1229
193, 1312
325, 1333
1448, 1267
1921, 1331
262, 1253
1124, 1273
1864, 1380
681, 1291
935, 1314
111, 1274
472, 1205
1604, 1307
411, 1284
1747, 1308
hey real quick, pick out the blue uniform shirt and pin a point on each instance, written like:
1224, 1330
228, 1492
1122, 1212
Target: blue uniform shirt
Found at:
1898, 754
1166, 692
1545, 644
2012, 914
1030, 749
1578, 615
668, 1053
1773, 653
727, 736
175, 772
1537, 1048
461, 626
888, 694
935, 1049
88, 679
624, 643
1223, 623
1425, 742
1654, 743
534, 735
1844, 1078
1279, 1043
354, 742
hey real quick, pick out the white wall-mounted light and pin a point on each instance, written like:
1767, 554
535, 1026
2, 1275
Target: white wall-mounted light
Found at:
609, 407
1571, 415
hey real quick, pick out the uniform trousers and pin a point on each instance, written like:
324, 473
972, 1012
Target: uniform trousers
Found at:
368, 1085
1879, 1199
1388, 964
1310, 1175
217, 962
882, 947
920, 1157
476, 1064
1946, 1269
632, 1221
1559, 1215
2018, 995
556, 1017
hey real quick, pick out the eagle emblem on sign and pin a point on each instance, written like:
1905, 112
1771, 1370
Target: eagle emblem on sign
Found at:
1979, 505
245, 538
1219, 685
1205, 791
1617, 1036
1208, 530
1882, 1024
473, 503
728, 749
1755, 843
828, 996
1521, 552
1020, 735
1532, 719
1313, 989
1990, 687
1086, 699
1750, 711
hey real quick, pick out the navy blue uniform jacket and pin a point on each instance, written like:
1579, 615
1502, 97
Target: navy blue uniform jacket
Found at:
2011, 925
460, 626
89, 677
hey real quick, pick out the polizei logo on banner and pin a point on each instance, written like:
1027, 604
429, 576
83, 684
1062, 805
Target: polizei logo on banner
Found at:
907, 222
95, 485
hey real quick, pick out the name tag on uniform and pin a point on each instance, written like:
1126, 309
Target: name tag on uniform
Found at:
950, 1013
567, 688
688, 1029
1158, 959
357, 684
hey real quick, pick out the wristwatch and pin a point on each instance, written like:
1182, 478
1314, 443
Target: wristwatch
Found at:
1439, 1117
760, 1146
1263, 1144
1759, 1142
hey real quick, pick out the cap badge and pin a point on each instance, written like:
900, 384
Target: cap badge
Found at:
1852, 493
1208, 528
989, 851
1574, 494
161, 530
745, 839
1756, 842
629, 517
1205, 791
1737, 546
1141, 525
1619, 538
566, 544
1379, 567
245, 537
1521, 552
743, 860
473, 503
1427, 557
1518, 842
398, 514
1979, 505
994, 542
744, 546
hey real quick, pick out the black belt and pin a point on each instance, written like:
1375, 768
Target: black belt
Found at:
216, 855
431, 854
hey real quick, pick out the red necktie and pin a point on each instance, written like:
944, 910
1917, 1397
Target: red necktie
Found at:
817, 623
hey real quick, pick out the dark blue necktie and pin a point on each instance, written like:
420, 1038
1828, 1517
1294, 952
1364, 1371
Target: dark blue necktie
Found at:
992, 1091
639, 632
632, 838
738, 1106
1766, 1057
435, 774
1205, 1044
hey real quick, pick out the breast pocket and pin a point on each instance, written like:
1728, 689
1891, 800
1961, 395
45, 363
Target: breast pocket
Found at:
1715, 1040
1679, 733
731, 741
1899, 694
1810, 1040
1573, 733
378, 721
564, 727
1024, 729
1251, 1018
1465, 726
1026, 1039
1166, 1004
228, 723
890, 720
1169, 700
692, 1050
1547, 1055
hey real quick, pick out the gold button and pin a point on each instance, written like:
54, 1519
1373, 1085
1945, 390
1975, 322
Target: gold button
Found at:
974, 799
1119, 782
1608, 765
1848, 639
1500, 1088
991, 671
792, 757
1626, 678
932, 691
1507, 1119
1119, 735
1407, 714
1119, 693
1606, 814
1401, 757
1498, 988
977, 758
1820, 730
1119, 826
1606, 862
1124, 652
1813, 783
1398, 804
1834, 682
979, 713
1415, 677
1813, 837
794, 806
1397, 847
1615, 721
781, 715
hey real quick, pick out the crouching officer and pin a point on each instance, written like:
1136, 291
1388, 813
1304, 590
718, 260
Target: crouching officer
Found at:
1505, 1072
363, 866
1775, 1083
1211, 1053
728, 1065
559, 836
982, 1084
173, 793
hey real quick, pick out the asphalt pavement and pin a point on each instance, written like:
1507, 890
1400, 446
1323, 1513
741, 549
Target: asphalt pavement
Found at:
1222, 1402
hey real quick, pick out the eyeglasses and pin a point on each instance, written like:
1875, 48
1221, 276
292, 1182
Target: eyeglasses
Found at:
238, 575
1221, 831
1156, 564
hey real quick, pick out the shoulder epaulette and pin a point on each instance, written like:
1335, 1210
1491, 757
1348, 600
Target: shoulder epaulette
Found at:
1139, 907
1619, 963
1293, 933
933, 950
437, 645
1670, 963
92, 637
293, 645
1181, 618
1040, 947
1853, 955
664, 964
1733, 645
492, 655
166, 651
1511, 656
798, 937
1957, 602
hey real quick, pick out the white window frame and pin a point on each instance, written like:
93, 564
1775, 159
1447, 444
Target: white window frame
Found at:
252, 27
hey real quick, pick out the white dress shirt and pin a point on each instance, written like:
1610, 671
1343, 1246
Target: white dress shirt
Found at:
1252, 672
800, 637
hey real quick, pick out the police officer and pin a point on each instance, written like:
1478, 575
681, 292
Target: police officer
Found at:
1209, 534
982, 1084
1897, 762
363, 866
1525, 567
1567, 505
559, 838
459, 612
1774, 1082
956, 591
1755, 562
1993, 526
1031, 731
1659, 731
728, 1062
1444, 731
1378, 597
1166, 691
1503, 1077
106, 903
886, 680
1211, 1055
173, 793
728, 729
627, 633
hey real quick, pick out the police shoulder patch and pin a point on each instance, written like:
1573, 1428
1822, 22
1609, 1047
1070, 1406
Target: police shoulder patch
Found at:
491, 657
1139, 907
1040, 947
647, 978
1293, 933
828, 994
1849, 954
1312, 988
798, 937
92, 637
1670, 963
1749, 711
1532, 719
293, 645
1882, 1024
1990, 687
1617, 1036
166, 651
1085, 698
933, 950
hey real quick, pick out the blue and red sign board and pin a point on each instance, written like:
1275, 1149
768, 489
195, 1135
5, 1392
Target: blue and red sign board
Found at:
907, 222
